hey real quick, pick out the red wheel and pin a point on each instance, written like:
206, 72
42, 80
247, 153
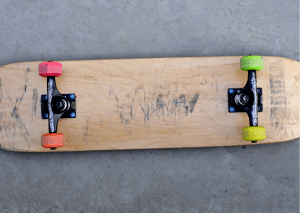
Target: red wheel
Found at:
53, 140
50, 68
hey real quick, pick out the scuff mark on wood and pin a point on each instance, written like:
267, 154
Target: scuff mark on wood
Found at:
193, 102
34, 101
154, 103
278, 95
12, 123
18, 121
85, 132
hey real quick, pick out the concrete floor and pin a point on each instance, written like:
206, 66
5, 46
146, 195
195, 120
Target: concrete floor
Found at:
262, 178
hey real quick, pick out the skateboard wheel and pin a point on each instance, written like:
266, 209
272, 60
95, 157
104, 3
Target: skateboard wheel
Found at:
50, 68
53, 140
254, 133
252, 62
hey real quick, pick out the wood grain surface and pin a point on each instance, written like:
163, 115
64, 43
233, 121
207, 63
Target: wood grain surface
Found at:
148, 103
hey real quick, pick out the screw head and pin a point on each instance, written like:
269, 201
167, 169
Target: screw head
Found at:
231, 109
72, 114
59, 104
72, 96
258, 91
231, 91
245, 98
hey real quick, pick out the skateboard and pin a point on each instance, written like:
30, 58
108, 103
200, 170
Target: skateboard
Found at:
148, 103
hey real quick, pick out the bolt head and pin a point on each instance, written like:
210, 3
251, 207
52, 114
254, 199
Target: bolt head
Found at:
72, 96
245, 98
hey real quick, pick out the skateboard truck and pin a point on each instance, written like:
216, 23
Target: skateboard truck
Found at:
249, 99
55, 105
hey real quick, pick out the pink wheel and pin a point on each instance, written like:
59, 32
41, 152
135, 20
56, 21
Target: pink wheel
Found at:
53, 140
50, 68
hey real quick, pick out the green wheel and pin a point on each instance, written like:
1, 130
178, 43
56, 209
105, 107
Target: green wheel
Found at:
254, 133
252, 62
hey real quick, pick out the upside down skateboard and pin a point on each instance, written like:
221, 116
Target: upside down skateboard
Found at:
148, 103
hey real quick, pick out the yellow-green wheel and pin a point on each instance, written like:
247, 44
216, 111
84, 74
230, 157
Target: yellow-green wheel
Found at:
254, 133
252, 62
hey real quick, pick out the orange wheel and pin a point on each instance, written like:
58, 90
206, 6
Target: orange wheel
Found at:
50, 68
53, 140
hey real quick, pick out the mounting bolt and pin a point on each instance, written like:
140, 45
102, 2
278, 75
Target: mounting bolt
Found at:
231, 109
72, 96
72, 114
231, 91
244, 98
259, 91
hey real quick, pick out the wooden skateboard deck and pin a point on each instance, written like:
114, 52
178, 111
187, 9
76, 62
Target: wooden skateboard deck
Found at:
148, 103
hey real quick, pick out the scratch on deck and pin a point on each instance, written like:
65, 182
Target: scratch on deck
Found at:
278, 94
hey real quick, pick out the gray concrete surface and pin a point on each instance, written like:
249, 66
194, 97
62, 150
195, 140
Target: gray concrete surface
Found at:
262, 178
